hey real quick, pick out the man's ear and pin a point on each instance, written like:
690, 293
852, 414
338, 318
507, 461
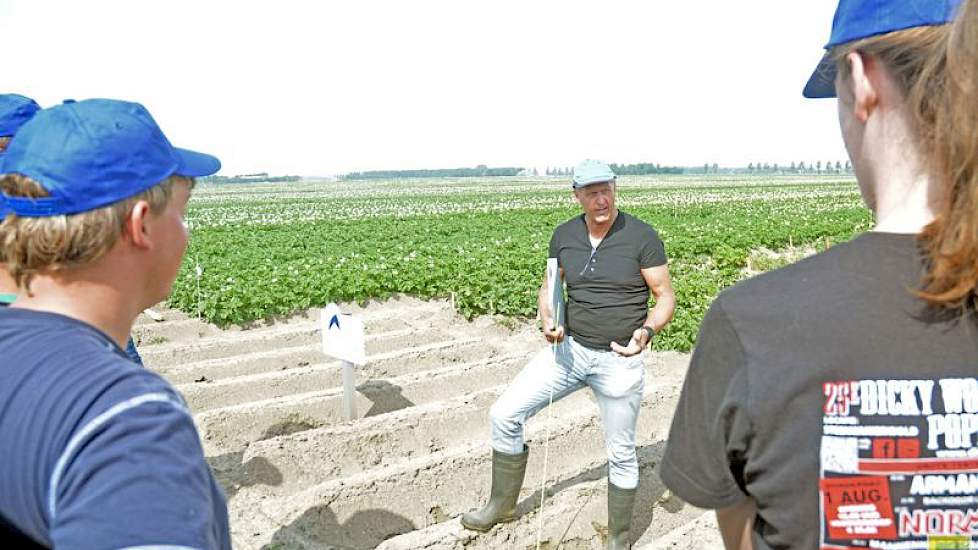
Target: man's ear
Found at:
138, 226
864, 84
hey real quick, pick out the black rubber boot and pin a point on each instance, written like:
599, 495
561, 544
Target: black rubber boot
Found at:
621, 502
507, 478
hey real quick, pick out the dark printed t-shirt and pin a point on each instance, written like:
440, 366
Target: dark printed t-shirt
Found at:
607, 297
96, 451
830, 394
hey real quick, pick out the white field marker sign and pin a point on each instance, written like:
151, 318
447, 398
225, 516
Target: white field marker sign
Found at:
343, 339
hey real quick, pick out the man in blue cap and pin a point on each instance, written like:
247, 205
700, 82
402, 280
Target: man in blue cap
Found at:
97, 452
610, 261
15, 111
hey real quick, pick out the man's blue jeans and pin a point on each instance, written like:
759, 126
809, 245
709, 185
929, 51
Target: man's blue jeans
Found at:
617, 383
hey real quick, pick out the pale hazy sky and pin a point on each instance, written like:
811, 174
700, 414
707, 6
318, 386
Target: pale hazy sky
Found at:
324, 87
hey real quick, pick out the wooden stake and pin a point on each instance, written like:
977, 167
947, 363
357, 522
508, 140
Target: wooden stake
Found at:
349, 390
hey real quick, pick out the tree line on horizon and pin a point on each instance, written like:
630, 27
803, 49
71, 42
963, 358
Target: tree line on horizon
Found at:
248, 178
639, 169
484, 171
817, 167
479, 171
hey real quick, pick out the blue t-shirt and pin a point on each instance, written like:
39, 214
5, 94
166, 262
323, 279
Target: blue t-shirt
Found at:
7, 299
97, 452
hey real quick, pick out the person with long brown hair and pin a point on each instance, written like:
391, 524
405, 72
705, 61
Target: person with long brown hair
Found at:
834, 403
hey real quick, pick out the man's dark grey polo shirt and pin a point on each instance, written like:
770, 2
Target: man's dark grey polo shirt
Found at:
607, 298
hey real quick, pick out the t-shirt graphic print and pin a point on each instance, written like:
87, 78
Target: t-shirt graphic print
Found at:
899, 464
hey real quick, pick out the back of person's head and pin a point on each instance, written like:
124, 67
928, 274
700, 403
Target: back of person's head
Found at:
935, 68
72, 176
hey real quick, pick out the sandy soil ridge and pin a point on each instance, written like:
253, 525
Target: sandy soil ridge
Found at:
267, 404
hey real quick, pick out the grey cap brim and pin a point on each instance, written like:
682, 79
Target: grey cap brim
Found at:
591, 181
822, 82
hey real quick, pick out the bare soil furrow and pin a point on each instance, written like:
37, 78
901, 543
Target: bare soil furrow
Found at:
700, 533
238, 425
282, 335
574, 517
246, 364
313, 456
186, 330
164, 313
456, 479
267, 403
316, 456
392, 363
282, 383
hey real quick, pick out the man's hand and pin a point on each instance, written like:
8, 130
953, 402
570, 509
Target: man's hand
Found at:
551, 333
640, 339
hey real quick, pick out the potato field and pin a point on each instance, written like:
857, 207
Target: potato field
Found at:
444, 275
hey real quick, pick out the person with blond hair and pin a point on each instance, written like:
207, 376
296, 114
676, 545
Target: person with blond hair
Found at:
831, 404
97, 452
15, 111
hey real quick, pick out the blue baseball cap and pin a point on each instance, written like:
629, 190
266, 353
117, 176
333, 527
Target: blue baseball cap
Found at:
93, 153
591, 171
858, 19
15, 110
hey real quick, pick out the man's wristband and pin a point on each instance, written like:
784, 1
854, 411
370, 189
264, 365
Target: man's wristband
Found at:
650, 331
